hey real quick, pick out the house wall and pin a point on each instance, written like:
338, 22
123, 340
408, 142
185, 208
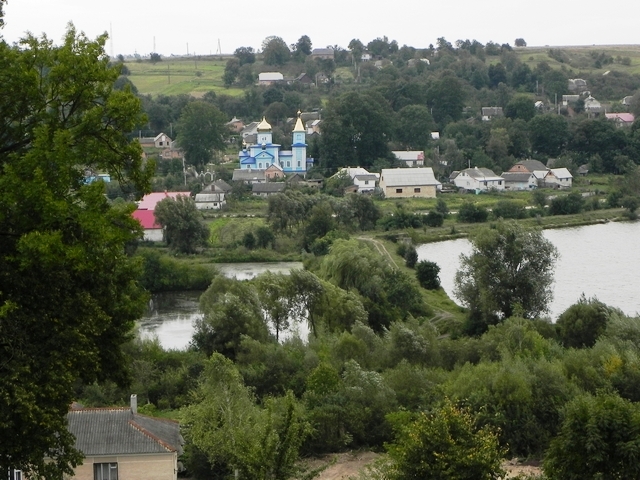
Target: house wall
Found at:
158, 466
520, 185
426, 191
208, 205
153, 235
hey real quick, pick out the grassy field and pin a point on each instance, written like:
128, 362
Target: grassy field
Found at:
198, 75
180, 75
579, 58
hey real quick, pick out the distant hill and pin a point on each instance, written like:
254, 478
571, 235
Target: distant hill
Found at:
198, 75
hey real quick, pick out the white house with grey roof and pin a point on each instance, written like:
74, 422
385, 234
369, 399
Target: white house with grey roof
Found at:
409, 182
120, 443
478, 179
411, 158
519, 180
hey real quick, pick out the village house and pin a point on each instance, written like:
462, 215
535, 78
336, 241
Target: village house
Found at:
489, 113
153, 231
248, 176
411, 158
235, 125
409, 182
269, 78
210, 201
562, 176
519, 180
274, 172
323, 53
266, 189
363, 181
120, 443
478, 180
621, 119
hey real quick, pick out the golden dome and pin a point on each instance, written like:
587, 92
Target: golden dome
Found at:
264, 126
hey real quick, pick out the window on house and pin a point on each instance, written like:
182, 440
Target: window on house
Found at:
259, 165
15, 474
105, 471
416, 190
288, 164
398, 190
298, 164
499, 182
366, 182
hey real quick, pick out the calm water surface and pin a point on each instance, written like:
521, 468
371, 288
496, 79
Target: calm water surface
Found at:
597, 260
171, 316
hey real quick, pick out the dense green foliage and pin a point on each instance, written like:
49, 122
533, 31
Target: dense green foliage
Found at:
509, 271
68, 286
444, 444
598, 439
184, 228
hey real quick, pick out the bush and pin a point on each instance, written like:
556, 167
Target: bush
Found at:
411, 256
433, 219
509, 209
427, 274
567, 205
471, 213
162, 273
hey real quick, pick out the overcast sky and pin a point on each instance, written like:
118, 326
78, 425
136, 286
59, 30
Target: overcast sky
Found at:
138, 25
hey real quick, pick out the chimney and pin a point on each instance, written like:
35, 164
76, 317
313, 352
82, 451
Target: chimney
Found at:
134, 403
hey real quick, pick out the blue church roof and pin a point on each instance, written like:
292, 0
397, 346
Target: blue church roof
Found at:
248, 161
299, 145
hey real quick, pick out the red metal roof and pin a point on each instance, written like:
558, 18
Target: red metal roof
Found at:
146, 218
150, 200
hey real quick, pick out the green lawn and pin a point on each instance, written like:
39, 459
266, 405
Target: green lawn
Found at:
174, 76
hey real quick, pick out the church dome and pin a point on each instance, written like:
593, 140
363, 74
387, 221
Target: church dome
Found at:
264, 126
299, 126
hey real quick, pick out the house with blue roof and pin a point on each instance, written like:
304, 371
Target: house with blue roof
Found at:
265, 153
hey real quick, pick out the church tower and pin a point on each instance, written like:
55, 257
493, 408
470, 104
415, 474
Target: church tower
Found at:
265, 137
299, 147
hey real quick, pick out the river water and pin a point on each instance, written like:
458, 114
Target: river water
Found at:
171, 316
597, 260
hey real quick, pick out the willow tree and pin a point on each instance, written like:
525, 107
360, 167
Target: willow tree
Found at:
68, 288
509, 271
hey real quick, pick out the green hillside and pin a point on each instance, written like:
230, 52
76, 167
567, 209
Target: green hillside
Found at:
198, 75
588, 59
178, 75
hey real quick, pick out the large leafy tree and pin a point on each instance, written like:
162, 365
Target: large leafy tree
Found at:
201, 131
446, 98
234, 433
184, 229
599, 438
356, 129
275, 51
548, 133
68, 289
414, 126
509, 271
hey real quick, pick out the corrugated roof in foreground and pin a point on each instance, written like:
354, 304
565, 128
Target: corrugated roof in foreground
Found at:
114, 431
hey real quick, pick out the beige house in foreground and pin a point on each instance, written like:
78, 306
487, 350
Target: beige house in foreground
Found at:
120, 444
409, 182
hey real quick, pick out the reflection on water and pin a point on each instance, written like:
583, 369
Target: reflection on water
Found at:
171, 316
247, 271
597, 260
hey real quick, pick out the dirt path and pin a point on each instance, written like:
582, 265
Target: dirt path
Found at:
382, 250
347, 466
